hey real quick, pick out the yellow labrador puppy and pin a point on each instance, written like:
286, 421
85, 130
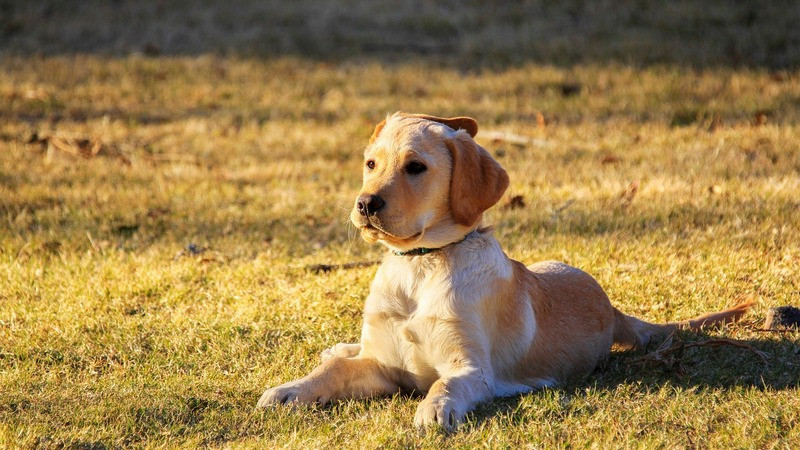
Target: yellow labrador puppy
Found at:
449, 314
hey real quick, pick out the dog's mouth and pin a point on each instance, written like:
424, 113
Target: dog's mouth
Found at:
376, 233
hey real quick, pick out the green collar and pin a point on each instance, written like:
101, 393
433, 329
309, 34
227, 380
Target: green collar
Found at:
425, 250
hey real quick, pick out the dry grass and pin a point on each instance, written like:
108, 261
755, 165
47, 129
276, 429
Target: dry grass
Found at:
677, 188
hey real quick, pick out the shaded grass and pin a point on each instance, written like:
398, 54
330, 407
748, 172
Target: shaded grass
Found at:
468, 34
113, 332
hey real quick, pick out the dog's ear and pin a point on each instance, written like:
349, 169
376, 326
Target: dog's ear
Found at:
477, 181
457, 123
377, 131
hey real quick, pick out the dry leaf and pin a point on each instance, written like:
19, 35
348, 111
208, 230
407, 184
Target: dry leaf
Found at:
780, 77
52, 247
515, 202
151, 49
500, 137
570, 89
212, 256
540, 119
85, 148
610, 158
77, 147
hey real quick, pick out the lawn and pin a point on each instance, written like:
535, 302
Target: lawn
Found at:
161, 217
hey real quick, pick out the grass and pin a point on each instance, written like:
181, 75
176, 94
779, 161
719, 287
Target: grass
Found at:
676, 186
114, 333
469, 33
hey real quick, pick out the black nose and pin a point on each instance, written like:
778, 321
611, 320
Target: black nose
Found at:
369, 204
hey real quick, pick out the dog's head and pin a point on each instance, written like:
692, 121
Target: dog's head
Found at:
426, 182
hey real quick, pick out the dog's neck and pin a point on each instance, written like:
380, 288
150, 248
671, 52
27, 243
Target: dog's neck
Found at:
426, 250
442, 233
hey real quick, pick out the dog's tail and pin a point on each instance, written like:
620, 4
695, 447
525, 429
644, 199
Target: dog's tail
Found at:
633, 333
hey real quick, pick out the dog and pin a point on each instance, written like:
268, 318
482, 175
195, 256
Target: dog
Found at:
448, 313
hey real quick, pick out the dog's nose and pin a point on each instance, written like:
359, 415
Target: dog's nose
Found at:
369, 204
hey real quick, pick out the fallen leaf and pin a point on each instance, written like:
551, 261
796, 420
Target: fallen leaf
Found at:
540, 122
780, 77
155, 213
81, 147
212, 256
505, 137
127, 230
502, 137
570, 89
515, 202
714, 124
52, 247
610, 158
77, 147
151, 49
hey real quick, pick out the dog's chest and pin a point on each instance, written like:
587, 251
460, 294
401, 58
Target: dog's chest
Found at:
398, 317
417, 316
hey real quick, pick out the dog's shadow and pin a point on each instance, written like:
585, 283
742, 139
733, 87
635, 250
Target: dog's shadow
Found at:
685, 363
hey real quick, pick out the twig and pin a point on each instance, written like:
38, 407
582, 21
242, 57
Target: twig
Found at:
94, 245
781, 330
564, 206
19, 253
718, 343
674, 344
320, 268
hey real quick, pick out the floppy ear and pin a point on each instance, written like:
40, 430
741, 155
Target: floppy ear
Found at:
377, 131
477, 181
456, 123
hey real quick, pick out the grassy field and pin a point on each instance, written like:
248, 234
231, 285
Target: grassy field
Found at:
159, 216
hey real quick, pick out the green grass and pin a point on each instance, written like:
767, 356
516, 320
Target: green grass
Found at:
112, 333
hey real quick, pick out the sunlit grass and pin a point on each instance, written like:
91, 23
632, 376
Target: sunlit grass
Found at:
113, 332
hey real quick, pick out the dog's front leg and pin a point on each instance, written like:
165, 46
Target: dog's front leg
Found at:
335, 379
451, 397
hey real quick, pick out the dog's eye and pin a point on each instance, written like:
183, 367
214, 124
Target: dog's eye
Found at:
371, 164
415, 167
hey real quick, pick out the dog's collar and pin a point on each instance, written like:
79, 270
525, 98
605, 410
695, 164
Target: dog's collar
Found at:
425, 250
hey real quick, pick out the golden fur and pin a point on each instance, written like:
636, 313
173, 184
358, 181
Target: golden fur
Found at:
463, 323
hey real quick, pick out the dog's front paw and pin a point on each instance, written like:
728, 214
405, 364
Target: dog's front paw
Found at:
292, 394
440, 410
